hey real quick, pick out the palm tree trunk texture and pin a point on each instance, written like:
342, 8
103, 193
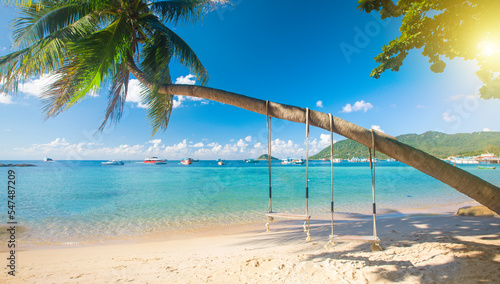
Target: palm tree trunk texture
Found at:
466, 183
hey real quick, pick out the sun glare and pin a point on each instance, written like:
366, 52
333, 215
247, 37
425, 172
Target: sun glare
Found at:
488, 48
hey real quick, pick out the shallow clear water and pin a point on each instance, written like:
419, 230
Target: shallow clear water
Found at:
71, 201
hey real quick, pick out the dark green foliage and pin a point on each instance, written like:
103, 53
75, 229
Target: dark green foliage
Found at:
437, 144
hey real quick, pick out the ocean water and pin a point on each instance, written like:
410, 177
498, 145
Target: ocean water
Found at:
73, 201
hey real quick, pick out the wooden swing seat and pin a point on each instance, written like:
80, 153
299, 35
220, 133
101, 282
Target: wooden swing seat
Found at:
289, 216
354, 238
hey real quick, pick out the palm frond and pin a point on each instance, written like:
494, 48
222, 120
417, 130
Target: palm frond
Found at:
58, 95
100, 54
159, 108
181, 51
46, 55
156, 56
179, 11
35, 25
117, 96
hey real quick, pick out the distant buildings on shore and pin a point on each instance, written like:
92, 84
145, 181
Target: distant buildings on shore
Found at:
482, 159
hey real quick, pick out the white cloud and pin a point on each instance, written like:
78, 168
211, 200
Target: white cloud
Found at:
178, 150
155, 142
319, 103
134, 93
248, 138
377, 127
62, 149
462, 97
35, 87
447, 117
5, 99
359, 105
186, 80
198, 145
177, 102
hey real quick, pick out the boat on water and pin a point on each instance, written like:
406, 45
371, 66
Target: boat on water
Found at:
337, 160
195, 160
47, 159
357, 160
391, 160
486, 168
154, 160
290, 161
161, 163
220, 162
113, 163
187, 161
251, 161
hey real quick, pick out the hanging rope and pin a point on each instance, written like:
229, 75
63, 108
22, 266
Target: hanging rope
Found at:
330, 118
268, 123
307, 161
375, 246
307, 176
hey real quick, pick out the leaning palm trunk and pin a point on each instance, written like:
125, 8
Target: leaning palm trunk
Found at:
466, 183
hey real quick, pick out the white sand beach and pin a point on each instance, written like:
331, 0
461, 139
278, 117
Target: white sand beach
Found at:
428, 248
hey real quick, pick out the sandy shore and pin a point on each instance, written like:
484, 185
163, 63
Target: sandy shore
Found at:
417, 249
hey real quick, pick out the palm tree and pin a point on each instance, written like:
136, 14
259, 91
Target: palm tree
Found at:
87, 45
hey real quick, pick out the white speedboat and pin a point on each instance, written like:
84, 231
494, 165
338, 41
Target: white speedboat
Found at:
47, 160
154, 160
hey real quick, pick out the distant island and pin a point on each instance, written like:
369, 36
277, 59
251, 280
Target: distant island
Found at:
264, 157
438, 144
17, 165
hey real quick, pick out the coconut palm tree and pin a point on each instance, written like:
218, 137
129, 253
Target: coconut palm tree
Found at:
87, 45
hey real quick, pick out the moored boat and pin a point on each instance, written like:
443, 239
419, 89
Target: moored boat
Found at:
187, 161
290, 161
251, 161
220, 162
154, 160
486, 168
113, 163
47, 159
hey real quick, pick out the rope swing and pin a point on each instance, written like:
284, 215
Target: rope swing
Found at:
371, 239
270, 214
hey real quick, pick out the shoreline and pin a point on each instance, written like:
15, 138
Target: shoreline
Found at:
419, 248
214, 230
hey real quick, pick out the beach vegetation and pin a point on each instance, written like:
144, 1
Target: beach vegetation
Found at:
443, 30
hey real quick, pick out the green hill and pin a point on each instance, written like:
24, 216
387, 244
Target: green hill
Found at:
439, 144
264, 157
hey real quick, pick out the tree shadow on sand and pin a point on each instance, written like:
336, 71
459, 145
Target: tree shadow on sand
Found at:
417, 248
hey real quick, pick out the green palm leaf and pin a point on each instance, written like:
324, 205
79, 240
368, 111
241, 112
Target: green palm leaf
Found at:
180, 11
181, 51
87, 45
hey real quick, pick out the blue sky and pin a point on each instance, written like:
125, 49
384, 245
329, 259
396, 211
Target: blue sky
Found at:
318, 55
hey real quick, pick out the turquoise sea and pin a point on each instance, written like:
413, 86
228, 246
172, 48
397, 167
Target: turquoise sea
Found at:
64, 202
